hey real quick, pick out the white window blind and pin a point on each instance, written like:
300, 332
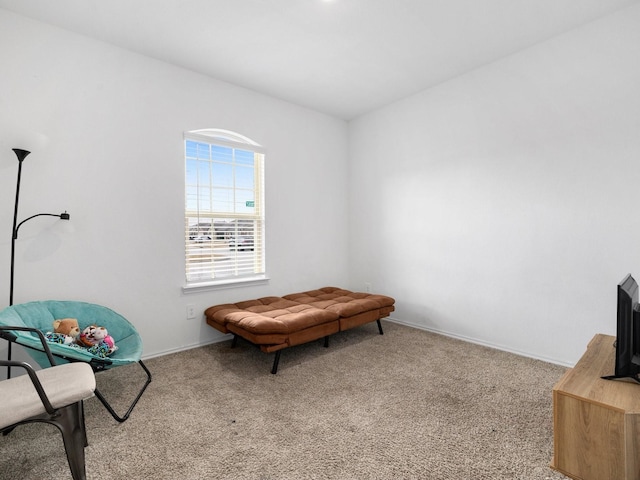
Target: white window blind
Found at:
224, 207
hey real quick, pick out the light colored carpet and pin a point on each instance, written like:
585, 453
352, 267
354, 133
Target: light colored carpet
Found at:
408, 404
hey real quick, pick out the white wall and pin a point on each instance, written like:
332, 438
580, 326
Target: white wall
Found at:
504, 206
493, 207
114, 159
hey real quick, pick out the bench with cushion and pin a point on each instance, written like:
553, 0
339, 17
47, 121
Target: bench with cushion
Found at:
275, 323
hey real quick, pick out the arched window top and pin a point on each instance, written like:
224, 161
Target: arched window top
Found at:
219, 135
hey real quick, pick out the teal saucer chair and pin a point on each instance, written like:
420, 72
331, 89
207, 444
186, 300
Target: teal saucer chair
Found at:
41, 315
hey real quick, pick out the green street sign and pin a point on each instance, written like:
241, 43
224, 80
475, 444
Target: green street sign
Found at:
250, 203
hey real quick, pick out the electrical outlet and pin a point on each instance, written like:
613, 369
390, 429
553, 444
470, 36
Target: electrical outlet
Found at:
367, 287
191, 312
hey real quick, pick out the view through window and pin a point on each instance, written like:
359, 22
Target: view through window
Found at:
224, 207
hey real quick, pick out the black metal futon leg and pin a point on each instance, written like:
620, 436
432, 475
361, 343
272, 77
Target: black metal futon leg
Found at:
276, 360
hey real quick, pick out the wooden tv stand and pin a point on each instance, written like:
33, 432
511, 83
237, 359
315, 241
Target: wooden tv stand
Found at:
596, 422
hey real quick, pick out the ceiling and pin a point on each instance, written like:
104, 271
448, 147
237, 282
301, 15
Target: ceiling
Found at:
341, 57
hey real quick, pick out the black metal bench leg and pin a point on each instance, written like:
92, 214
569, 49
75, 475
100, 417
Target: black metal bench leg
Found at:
9, 359
276, 360
234, 342
380, 327
70, 422
326, 341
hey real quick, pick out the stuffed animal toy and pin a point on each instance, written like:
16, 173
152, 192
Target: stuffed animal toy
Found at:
86, 338
65, 331
94, 336
102, 335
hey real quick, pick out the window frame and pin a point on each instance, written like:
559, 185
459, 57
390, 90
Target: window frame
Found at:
228, 139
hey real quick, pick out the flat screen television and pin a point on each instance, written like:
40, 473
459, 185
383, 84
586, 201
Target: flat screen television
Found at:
627, 342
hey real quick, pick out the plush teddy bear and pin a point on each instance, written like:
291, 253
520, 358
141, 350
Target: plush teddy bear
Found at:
94, 336
65, 331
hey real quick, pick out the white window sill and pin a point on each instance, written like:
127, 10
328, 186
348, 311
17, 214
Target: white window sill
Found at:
222, 284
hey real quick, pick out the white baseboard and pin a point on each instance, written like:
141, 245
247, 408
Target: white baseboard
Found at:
184, 348
479, 342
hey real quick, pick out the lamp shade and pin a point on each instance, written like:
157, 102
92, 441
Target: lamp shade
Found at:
15, 137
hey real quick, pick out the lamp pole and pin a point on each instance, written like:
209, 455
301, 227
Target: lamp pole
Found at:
22, 154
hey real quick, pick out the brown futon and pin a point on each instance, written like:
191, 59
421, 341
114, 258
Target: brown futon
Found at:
275, 323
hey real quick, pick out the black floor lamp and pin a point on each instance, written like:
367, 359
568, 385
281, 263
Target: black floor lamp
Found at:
22, 154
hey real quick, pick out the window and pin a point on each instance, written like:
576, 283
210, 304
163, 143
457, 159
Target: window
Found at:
224, 208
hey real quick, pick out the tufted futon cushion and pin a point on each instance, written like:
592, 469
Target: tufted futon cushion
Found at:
353, 308
273, 322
